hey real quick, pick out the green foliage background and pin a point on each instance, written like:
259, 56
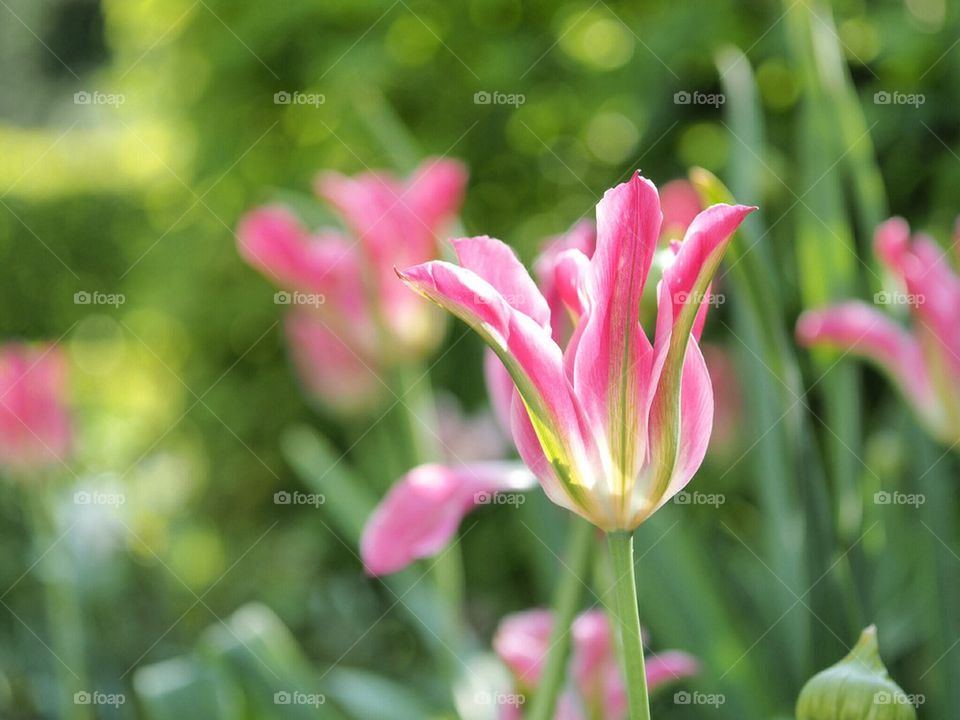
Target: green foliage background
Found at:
183, 392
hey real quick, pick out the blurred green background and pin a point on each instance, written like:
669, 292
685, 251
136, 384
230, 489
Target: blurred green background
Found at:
183, 392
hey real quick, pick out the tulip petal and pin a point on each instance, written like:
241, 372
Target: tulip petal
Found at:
335, 373
531, 451
609, 344
857, 328
435, 191
581, 237
500, 388
273, 240
696, 426
669, 667
522, 642
526, 349
421, 513
496, 263
683, 291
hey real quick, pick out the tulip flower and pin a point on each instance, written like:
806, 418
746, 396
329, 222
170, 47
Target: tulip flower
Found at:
349, 319
923, 363
613, 425
595, 685
34, 422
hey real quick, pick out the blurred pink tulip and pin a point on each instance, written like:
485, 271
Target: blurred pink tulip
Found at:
595, 684
521, 641
329, 369
924, 363
349, 308
34, 421
421, 513
603, 422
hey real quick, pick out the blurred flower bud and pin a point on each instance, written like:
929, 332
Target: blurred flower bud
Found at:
856, 688
34, 421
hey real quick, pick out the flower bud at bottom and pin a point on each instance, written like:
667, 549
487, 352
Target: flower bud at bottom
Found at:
856, 688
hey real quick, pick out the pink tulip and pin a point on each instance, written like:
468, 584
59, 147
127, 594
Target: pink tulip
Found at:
327, 366
522, 641
34, 422
924, 363
602, 422
349, 307
595, 684
422, 511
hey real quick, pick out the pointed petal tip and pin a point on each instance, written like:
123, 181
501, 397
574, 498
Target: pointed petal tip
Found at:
808, 327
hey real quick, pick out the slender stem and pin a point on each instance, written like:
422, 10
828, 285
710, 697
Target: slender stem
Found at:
416, 422
566, 601
628, 618
61, 604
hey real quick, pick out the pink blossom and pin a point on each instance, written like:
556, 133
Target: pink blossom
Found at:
34, 421
349, 308
422, 511
595, 685
924, 362
602, 421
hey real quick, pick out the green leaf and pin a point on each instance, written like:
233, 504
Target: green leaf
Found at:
186, 687
262, 655
364, 694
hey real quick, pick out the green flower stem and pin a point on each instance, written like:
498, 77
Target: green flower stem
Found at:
628, 618
416, 423
566, 602
61, 602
